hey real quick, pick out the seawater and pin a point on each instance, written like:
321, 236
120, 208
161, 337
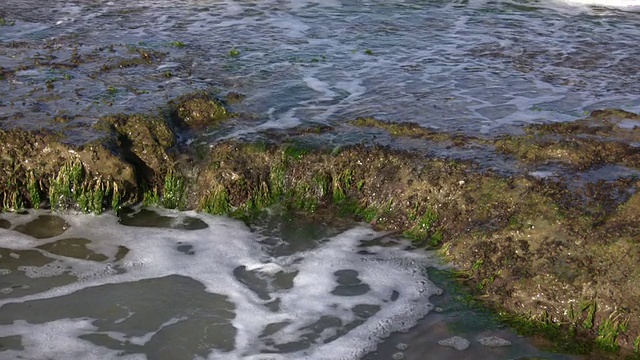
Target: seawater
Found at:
205, 286
160, 284
474, 66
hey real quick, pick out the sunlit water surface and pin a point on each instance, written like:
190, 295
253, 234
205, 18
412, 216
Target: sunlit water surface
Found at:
476, 66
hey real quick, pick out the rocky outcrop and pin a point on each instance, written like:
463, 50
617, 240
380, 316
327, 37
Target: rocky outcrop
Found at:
543, 249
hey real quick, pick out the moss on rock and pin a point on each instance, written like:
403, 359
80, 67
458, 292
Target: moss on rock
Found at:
38, 167
143, 140
199, 110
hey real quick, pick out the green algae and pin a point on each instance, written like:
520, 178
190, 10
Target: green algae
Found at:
150, 196
173, 191
560, 338
400, 129
177, 44
73, 187
341, 185
423, 225
65, 188
5, 22
610, 329
295, 151
116, 199
199, 110
590, 307
216, 201
277, 180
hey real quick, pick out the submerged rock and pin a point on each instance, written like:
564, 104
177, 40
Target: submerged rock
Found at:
44, 227
201, 109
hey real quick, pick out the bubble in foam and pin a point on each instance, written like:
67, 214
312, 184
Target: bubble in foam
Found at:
606, 3
493, 341
51, 269
457, 342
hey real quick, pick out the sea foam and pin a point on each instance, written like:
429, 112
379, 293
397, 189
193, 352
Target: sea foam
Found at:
339, 298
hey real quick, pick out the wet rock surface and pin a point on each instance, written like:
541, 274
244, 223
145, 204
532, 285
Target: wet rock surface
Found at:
545, 246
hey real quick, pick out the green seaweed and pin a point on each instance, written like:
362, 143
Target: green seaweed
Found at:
295, 151
173, 191
90, 197
177, 44
562, 340
261, 197
341, 184
217, 201
610, 329
150, 196
368, 214
277, 180
116, 198
5, 22
422, 230
65, 188
96, 200
590, 307
321, 181
301, 197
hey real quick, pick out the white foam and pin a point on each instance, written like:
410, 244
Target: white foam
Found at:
58, 340
456, 342
55, 268
606, 3
219, 249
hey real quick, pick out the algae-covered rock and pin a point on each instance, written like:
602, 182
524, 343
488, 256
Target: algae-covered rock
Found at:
549, 249
605, 137
39, 167
199, 110
143, 140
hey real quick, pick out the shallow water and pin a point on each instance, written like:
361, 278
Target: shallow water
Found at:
158, 284
480, 67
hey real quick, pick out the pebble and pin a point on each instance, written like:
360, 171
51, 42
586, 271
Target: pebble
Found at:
456, 342
494, 341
